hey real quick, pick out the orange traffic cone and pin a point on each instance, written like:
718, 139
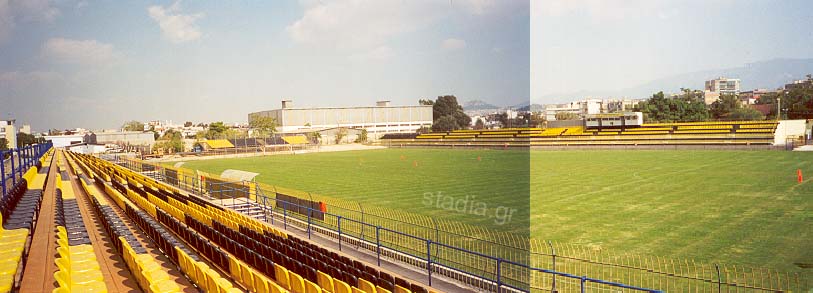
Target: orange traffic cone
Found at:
479, 158
799, 177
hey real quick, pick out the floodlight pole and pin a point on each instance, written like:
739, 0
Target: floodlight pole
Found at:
778, 108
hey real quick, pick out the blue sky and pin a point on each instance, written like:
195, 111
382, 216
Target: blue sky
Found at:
95, 64
595, 45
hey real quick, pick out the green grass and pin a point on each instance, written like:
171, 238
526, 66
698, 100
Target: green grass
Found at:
390, 178
734, 207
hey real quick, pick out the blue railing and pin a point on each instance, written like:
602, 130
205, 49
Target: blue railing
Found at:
15, 162
491, 273
498, 280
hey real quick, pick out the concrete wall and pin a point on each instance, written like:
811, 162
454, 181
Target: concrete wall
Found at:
789, 129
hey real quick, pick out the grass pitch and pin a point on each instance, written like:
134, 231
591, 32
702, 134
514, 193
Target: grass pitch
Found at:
481, 187
734, 207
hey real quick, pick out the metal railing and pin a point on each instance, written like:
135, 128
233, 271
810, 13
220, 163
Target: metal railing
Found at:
15, 162
476, 250
480, 270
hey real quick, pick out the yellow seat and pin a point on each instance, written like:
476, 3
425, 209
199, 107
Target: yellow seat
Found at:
399, 289
165, 286
248, 277
281, 275
223, 285
234, 268
211, 280
276, 288
155, 275
260, 283
382, 290
76, 267
6, 282
200, 272
357, 290
311, 287
366, 286
324, 280
296, 282
340, 286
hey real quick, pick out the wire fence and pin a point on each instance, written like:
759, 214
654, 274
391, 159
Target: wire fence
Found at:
512, 260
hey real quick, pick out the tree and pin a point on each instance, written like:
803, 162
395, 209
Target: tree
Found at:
746, 114
216, 130
479, 124
447, 106
687, 108
797, 103
722, 108
537, 119
133, 126
314, 137
567, 116
24, 139
362, 137
264, 126
187, 124
445, 123
426, 102
171, 141
340, 135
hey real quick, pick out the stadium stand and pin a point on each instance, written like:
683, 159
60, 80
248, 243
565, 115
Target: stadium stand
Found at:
297, 139
18, 213
255, 255
246, 142
218, 143
689, 133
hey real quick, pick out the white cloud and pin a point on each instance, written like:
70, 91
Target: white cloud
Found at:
176, 27
83, 52
367, 24
14, 12
453, 44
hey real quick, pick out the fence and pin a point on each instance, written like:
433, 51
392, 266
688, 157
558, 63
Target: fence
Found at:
15, 162
473, 254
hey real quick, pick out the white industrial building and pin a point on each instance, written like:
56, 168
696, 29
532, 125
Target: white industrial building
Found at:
377, 120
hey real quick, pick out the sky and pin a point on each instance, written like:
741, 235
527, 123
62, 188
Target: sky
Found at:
610, 45
96, 64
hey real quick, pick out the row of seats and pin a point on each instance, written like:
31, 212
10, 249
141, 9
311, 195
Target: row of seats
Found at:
19, 209
287, 266
179, 252
79, 271
176, 250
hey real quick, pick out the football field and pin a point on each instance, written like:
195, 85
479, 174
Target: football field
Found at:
480, 187
733, 207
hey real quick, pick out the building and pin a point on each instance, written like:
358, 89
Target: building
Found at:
720, 86
119, 138
591, 106
801, 84
618, 105
751, 97
87, 148
8, 132
377, 120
